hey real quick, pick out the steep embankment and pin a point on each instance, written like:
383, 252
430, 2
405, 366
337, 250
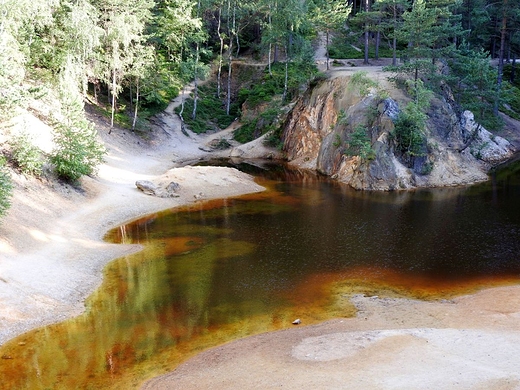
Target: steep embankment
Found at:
321, 125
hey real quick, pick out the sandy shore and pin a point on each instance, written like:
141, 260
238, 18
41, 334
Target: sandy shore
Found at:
471, 342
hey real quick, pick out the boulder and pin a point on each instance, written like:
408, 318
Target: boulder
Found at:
146, 186
159, 190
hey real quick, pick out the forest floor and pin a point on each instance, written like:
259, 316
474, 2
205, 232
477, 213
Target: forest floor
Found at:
52, 256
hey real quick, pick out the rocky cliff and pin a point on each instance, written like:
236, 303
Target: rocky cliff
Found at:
318, 134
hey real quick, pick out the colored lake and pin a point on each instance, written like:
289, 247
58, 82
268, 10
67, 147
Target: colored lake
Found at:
220, 270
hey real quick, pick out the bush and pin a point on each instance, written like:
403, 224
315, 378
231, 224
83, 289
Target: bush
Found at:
77, 150
408, 132
359, 144
266, 121
6, 188
364, 83
26, 155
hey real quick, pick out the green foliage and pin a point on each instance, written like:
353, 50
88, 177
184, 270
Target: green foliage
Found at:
246, 132
337, 141
12, 94
512, 98
364, 83
359, 144
77, 150
339, 50
474, 84
222, 144
266, 121
409, 132
6, 188
211, 111
26, 155
342, 118
272, 84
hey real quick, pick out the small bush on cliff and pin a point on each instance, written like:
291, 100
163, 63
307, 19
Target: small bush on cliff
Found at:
364, 83
409, 132
27, 155
6, 188
359, 144
266, 121
77, 150
410, 125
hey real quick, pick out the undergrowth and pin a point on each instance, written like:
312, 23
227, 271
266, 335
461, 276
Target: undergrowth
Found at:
211, 111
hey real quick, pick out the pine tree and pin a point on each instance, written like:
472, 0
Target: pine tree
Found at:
123, 22
392, 11
329, 15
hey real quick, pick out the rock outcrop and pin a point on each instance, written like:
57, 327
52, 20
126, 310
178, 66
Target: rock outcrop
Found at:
160, 189
320, 126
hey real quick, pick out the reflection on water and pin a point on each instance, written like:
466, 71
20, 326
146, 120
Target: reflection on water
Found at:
224, 269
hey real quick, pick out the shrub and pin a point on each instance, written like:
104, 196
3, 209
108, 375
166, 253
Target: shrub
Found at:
359, 144
408, 132
26, 155
363, 83
77, 150
211, 112
266, 121
6, 188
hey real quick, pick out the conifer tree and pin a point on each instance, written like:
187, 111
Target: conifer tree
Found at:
392, 11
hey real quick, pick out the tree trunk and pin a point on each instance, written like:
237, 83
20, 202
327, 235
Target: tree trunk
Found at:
195, 75
183, 126
503, 31
269, 60
221, 52
365, 60
231, 30
286, 82
136, 103
378, 41
513, 69
237, 36
394, 43
113, 100
327, 49
270, 44
195, 84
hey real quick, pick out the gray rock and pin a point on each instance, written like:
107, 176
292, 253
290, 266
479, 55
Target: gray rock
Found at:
146, 186
485, 146
173, 187
391, 109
